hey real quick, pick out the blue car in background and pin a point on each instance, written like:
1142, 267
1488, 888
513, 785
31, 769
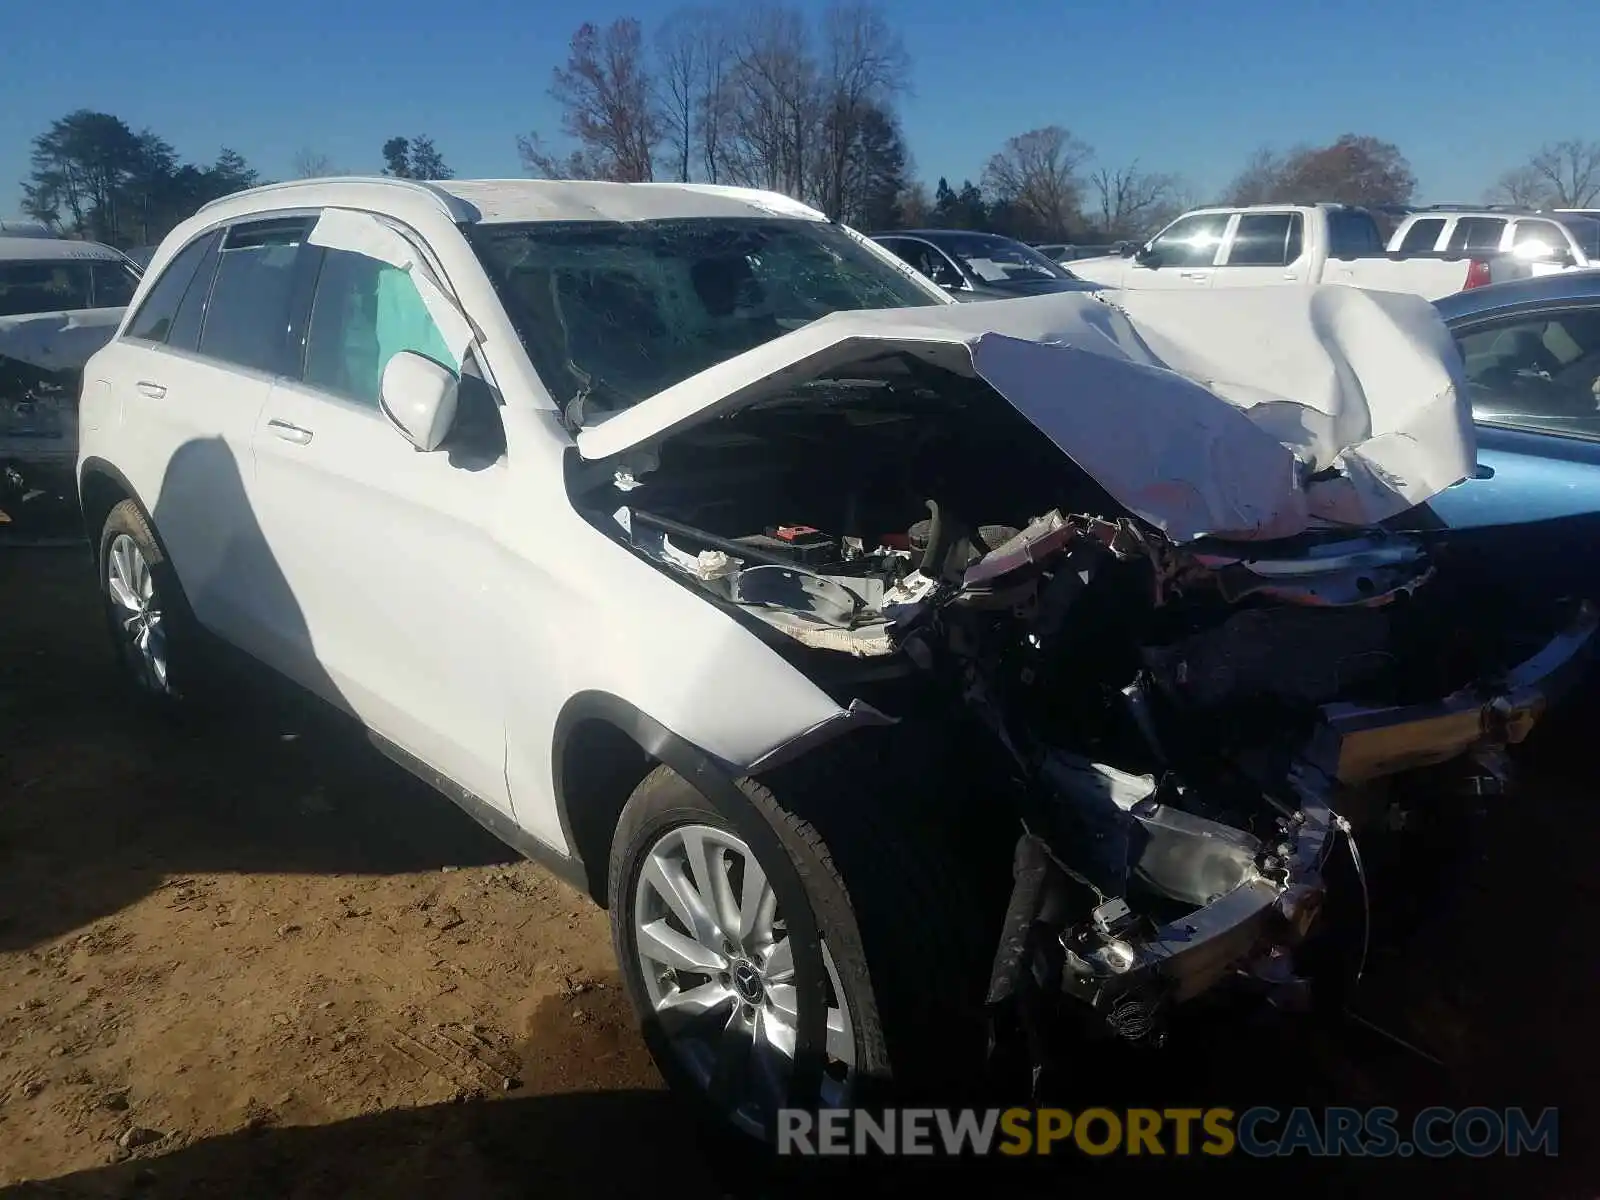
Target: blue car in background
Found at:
1531, 349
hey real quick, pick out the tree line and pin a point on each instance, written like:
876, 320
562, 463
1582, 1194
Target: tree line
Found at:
770, 96
92, 176
809, 106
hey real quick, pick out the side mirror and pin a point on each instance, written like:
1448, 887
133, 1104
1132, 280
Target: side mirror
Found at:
1127, 249
418, 396
1147, 256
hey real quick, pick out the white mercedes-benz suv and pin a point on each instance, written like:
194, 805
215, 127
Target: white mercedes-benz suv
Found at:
896, 672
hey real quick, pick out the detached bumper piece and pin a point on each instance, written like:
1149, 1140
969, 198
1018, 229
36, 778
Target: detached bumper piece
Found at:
1355, 744
1247, 901
1123, 971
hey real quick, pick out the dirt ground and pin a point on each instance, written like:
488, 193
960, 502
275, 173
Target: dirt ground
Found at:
251, 958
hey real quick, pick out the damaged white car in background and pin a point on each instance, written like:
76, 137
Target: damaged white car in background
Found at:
60, 301
884, 664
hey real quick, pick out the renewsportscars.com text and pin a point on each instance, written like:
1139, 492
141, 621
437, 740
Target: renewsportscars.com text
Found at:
1259, 1132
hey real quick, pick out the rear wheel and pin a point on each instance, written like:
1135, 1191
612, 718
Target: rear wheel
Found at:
144, 608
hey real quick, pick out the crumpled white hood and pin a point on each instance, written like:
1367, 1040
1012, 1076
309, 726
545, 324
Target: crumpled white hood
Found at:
58, 341
1247, 414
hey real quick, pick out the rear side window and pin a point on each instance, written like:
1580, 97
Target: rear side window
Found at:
1544, 239
366, 312
153, 321
1477, 233
1422, 236
185, 331
247, 317
1352, 233
1586, 232
114, 284
1265, 240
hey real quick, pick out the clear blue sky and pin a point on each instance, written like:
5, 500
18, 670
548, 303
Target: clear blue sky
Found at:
1465, 88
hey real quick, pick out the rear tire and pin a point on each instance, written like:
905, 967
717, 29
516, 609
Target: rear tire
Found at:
905, 944
152, 631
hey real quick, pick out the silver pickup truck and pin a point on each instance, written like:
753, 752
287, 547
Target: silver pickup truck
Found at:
60, 301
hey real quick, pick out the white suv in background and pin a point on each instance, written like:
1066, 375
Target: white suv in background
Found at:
706, 552
1564, 240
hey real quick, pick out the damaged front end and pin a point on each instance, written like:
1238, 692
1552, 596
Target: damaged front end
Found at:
1186, 732
1178, 729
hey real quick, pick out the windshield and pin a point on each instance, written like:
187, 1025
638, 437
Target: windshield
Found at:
1000, 260
63, 285
616, 312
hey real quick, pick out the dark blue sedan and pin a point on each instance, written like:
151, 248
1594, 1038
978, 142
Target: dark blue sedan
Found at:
1531, 349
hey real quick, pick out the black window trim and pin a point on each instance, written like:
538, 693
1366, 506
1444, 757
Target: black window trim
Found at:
307, 218
205, 275
1510, 315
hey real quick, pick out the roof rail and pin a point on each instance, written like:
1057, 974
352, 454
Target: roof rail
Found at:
1494, 208
455, 209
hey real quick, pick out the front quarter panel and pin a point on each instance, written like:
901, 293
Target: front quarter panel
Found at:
585, 615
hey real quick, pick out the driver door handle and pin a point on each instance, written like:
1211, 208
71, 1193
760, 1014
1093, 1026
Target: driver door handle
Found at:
288, 432
148, 387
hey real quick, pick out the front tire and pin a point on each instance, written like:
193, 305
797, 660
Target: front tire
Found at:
704, 925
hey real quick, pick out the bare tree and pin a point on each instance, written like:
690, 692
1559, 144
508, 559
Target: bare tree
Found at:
1131, 199
916, 207
1037, 174
607, 107
680, 70
864, 66
1522, 186
308, 164
1570, 171
1259, 182
539, 159
692, 54
773, 103
713, 112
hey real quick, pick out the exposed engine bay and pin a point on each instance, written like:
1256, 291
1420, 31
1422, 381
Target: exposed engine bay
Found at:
1187, 730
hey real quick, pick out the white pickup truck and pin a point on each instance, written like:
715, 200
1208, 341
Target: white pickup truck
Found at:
1280, 245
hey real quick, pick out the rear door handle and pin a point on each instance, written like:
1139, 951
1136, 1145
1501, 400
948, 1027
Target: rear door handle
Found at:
1192, 275
150, 388
288, 432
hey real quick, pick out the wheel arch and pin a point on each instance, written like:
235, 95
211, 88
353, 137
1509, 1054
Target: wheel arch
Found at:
602, 748
101, 487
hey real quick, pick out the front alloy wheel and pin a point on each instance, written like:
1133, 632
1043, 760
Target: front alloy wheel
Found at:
718, 971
